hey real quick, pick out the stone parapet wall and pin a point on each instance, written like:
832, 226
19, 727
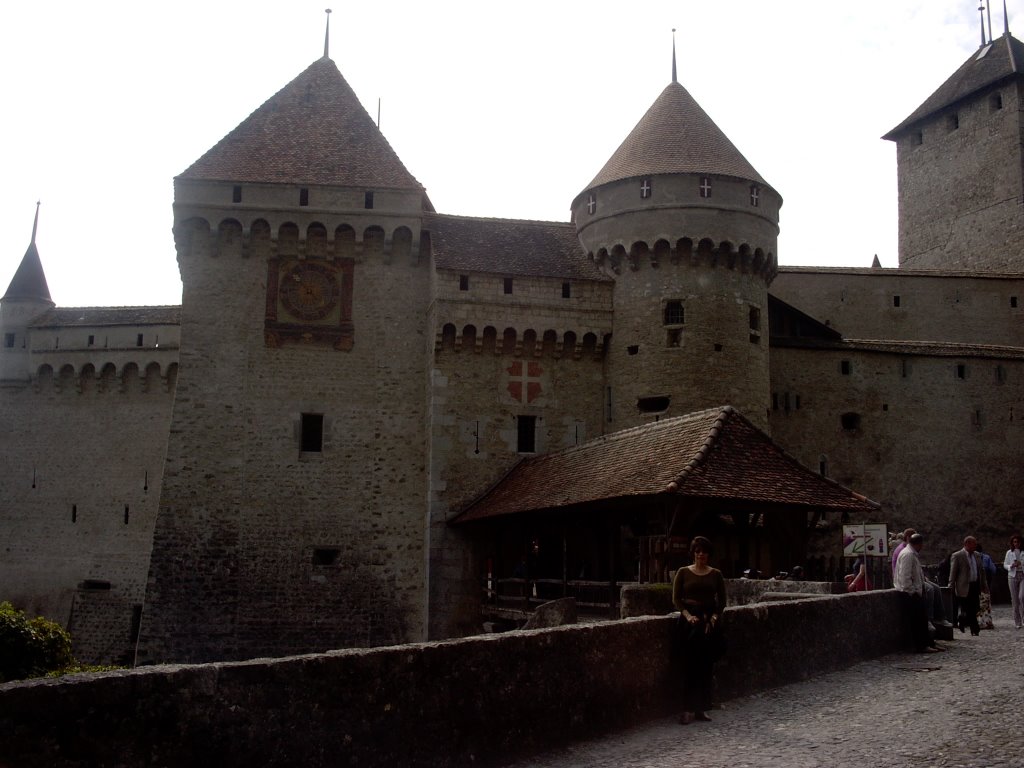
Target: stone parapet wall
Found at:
475, 701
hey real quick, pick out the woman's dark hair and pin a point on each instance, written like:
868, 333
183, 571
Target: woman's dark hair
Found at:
701, 544
1016, 537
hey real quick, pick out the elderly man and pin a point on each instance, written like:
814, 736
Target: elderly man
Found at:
909, 580
967, 580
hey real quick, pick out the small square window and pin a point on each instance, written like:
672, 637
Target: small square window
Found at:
633, 349
845, 367
236, 194
674, 337
916, 139
995, 101
526, 434
508, 285
1013, 302
303, 196
312, 438
463, 282
9, 340
674, 313
566, 290
952, 122
326, 556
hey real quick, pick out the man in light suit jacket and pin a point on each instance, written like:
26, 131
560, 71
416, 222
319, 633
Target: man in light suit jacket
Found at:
967, 580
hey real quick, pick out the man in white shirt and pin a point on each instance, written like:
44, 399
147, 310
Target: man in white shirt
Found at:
909, 579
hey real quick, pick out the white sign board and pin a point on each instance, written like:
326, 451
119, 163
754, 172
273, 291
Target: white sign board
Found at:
871, 540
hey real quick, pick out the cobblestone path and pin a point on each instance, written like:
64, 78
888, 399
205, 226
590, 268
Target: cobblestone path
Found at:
900, 711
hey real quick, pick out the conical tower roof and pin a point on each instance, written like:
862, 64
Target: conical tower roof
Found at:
675, 136
29, 281
312, 131
995, 61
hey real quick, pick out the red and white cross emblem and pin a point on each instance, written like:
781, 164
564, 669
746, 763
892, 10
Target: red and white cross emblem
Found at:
524, 380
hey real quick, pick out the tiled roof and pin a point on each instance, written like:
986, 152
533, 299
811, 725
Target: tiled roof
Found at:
712, 454
505, 246
68, 316
29, 282
1004, 58
675, 136
312, 131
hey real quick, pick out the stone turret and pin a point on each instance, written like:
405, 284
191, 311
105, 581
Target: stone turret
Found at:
687, 229
27, 297
960, 167
295, 477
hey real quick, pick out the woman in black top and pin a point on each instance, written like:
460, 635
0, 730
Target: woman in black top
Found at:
698, 591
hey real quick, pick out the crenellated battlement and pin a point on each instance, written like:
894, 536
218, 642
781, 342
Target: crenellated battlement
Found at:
327, 237
527, 343
107, 378
683, 252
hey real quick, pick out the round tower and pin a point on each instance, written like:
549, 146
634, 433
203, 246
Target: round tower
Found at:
687, 229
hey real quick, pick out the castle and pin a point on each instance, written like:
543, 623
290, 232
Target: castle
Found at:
274, 466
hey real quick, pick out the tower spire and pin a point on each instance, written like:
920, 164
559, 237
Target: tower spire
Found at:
327, 34
981, 17
1006, 21
988, 12
35, 223
674, 80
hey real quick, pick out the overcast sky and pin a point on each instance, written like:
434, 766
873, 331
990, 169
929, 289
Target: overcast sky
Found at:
498, 109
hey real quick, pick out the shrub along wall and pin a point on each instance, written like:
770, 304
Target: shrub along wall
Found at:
478, 700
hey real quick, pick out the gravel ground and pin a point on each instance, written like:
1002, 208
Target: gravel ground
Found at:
900, 711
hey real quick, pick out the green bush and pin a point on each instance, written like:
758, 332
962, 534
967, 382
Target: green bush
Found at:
31, 647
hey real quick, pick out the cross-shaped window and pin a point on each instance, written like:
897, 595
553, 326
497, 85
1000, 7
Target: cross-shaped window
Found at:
755, 195
591, 204
705, 186
645, 189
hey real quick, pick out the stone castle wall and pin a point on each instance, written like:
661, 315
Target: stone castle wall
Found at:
476, 701
939, 452
534, 354
960, 186
911, 306
261, 548
83, 459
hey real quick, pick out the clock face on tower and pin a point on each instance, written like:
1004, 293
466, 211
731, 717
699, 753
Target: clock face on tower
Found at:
309, 291
309, 301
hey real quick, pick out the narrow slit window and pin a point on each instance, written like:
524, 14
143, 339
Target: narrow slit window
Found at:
92, 340
566, 290
896, 300
845, 367
312, 432
1013, 302
961, 371
368, 200
9, 340
303, 196
138, 340
996, 101
507, 285
236, 194
463, 282
952, 122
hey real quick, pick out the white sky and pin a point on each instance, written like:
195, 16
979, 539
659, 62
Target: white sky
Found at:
498, 109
